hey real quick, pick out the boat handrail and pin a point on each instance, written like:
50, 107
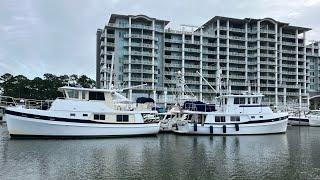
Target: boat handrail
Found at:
7, 101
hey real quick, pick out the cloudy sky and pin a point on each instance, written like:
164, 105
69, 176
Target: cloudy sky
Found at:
58, 37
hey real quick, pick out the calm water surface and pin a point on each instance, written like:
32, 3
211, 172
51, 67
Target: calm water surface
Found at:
294, 155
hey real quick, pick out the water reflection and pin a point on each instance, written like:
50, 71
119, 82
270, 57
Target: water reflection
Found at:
292, 155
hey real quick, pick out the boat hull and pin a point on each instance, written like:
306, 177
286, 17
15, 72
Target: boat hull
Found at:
23, 126
230, 129
314, 121
297, 121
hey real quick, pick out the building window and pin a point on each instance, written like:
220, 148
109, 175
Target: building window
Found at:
96, 117
72, 114
122, 118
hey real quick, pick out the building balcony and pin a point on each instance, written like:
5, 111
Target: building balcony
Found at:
288, 51
139, 26
209, 59
237, 77
208, 67
268, 39
170, 81
289, 58
192, 58
172, 57
172, 65
138, 79
139, 62
138, 53
267, 55
179, 41
268, 48
141, 36
237, 30
288, 35
191, 50
191, 74
170, 73
234, 69
237, 46
210, 44
234, 83
192, 82
237, 61
252, 39
272, 63
110, 36
173, 49
239, 38
268, 77
267, 70
209, 52
144, 45
209, 76
267, 31
236, 54
191, 42
267, 85
288, 43
289, 79
192, 66
146, 71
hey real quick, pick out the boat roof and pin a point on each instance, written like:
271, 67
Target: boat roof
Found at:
85, 89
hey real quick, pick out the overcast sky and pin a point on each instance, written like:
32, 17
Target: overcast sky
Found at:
58, 36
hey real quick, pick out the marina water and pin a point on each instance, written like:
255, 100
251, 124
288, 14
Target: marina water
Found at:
294, 155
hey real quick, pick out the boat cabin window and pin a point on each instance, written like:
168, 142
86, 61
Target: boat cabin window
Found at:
99, 117
239, 100
235, 118
96, 96
83, 94
255, 100
122, 118
73, 94
220, 119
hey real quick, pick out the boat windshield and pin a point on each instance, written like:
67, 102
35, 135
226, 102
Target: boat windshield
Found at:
314, 113
74, 94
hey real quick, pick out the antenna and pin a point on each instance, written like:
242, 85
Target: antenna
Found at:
111, 71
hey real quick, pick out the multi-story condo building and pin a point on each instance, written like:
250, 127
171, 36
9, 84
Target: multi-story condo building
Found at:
313, 56
264, 54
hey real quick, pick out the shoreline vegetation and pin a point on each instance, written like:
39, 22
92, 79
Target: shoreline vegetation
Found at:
45, 88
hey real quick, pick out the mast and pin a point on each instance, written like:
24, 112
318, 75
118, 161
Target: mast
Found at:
111, 71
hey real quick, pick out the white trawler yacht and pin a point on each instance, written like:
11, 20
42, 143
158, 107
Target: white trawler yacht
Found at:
241, 114
314, 117
82, 113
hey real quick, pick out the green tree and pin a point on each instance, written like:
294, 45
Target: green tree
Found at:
85, 82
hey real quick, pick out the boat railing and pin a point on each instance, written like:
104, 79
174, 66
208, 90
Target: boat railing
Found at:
6, 101
37, 104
